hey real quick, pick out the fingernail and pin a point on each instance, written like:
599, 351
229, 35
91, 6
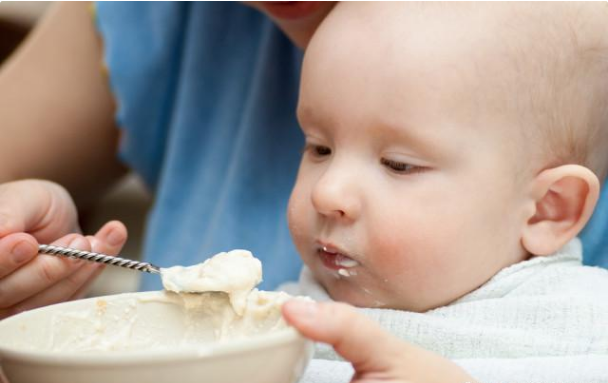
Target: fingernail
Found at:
304, 310
115, 238
22, 252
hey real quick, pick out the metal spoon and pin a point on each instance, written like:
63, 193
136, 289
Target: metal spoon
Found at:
98, 257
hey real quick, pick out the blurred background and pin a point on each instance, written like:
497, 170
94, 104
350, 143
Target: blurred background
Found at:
128, 201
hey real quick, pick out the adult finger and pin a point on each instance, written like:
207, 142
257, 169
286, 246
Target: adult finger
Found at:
41, 208
355, 337
61, 291
108, 240
82, 291
40, 273
15, 251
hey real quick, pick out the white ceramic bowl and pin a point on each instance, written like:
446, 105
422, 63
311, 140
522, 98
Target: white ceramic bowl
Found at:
151, 337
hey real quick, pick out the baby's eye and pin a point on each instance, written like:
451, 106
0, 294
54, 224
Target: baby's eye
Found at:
317, 150
400, 167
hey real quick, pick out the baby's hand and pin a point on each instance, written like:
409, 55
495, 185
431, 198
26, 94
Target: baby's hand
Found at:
376, 356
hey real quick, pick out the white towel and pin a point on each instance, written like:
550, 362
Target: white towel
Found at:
541, 320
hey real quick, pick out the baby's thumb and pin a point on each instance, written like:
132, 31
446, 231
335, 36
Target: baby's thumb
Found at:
355, 337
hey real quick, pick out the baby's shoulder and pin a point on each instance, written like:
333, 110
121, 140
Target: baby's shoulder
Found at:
585, 281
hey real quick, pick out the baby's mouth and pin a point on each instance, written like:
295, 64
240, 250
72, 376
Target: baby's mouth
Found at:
335, 260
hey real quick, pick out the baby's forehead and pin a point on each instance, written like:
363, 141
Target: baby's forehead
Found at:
485, 48
407, 38
435, 30
449, 51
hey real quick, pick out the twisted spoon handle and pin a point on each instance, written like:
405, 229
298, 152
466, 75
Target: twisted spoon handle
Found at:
98, 257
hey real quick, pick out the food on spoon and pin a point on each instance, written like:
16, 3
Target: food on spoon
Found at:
235, 273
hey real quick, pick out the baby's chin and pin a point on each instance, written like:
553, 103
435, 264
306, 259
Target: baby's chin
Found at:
352, 292
355, 293
360, 289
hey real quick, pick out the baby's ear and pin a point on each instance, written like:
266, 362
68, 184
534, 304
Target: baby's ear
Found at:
564, 198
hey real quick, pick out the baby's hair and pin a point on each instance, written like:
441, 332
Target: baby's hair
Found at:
564, 54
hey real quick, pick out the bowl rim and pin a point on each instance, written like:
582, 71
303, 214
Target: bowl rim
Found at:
187, 353
145, 357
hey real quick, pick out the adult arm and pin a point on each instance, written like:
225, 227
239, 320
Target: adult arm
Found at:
56, 121
56, 108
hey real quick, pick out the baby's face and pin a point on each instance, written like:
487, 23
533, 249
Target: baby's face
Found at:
408, 194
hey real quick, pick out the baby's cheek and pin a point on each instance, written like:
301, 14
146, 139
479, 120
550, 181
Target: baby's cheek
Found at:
395, 250
300, 221
407, 268
295, 212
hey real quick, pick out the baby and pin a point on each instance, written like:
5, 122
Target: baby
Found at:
453, 153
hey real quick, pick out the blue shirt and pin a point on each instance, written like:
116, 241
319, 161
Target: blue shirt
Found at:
206, 97
595, 234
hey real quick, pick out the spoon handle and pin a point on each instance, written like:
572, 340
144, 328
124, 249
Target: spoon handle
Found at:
98, 257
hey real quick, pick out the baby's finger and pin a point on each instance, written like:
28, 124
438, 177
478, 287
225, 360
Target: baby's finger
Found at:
355, 337
61, 291
15, 251
40, 273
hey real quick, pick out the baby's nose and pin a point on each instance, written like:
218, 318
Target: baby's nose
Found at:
335, 195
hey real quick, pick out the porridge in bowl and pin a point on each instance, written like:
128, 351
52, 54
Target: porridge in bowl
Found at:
159, 336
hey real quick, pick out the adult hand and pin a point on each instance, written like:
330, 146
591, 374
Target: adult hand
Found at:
375, 355
33, 212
